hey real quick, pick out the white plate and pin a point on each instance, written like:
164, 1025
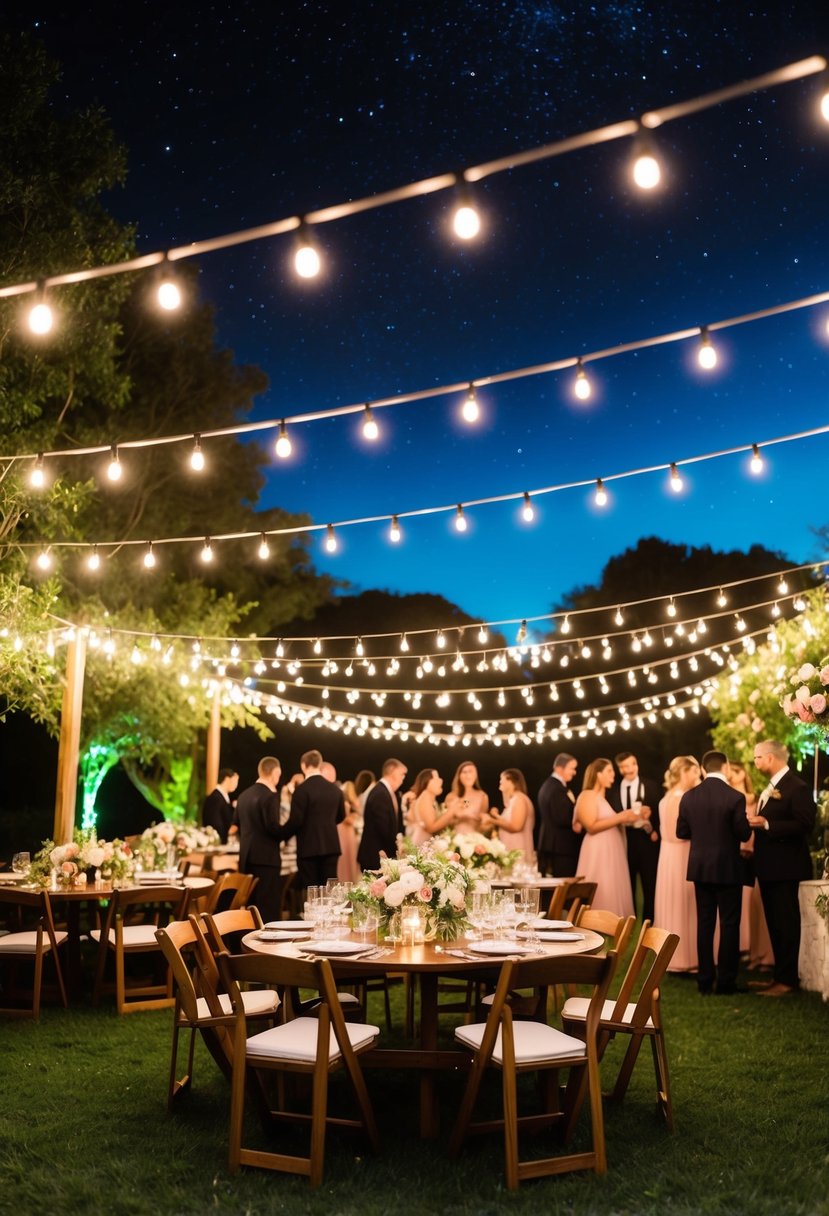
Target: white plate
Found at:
157, 876
287, 924
12, 878
559, 935
500, 948
277, 935
337, 947
543, 923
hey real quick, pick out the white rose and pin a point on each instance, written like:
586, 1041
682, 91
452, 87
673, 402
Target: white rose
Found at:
466, 849
457, 898
754, 697
95, 856
804, 694
806, 672
394, 895
58, 855
411, 881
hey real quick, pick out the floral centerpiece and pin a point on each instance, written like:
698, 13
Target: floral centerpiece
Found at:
488, 856
810, 702
83, 858
427, 878
154, 843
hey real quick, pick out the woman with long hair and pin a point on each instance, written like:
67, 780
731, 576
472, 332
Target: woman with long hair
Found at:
467, 800
425, 816
516, 821
675, 904
754, 932
603, 857
348, 831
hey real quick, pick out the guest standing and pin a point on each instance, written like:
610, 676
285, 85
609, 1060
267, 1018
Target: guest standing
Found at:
466, 798
639, 793
347, 868
515, 823
603, 859
559, 837
782, 825
754, 932
257, 813
381, 818
217, 811
675, 905
425, 816
713, 817
316, 809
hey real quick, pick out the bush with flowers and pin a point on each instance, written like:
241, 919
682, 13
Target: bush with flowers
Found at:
153, 843
478, 852
429, 878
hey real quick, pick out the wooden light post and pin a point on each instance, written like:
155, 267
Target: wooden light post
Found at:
70, 737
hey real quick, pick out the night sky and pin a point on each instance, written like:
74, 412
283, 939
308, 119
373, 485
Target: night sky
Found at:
237, 115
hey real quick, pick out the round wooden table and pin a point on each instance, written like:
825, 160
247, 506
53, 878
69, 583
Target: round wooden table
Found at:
427, 962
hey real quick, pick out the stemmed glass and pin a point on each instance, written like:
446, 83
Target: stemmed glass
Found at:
477, 914
365, 921
527, 903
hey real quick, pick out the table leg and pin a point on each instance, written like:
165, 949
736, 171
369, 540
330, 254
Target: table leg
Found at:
429, 1116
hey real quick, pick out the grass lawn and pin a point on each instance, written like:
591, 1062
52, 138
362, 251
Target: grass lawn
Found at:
84, 1127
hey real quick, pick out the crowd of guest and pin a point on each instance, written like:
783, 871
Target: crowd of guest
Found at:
707, 858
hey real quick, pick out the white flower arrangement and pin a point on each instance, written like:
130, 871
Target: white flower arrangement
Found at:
479, 852
810, 702
428, 878
183, 837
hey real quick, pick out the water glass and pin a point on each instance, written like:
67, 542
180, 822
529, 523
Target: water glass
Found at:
364, 920
21, 863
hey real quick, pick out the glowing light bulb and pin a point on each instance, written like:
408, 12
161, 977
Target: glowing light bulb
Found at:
783, 586
466, 221
41, 318
440, 639
671, 608
93, 562
756, 464
824, 106
483, 635
169, 294
647, 173
676, 480
149, 557
470, 410
37, 477
307, 262
114, 469
601, 494
371, 430
739, 623
207, 551
619, 618
775, 611
197, 455
722, 598
44, 560
565, 625
330, 539
528, 510
284, 447
582, 387
707, 354
460, 520
264, 550
395, 533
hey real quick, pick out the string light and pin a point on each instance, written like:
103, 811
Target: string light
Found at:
483, 635
527, 511
283, 447
307, 262
207, 551
197, 455
676, 480
671, 608
404, 644
44, 560
37, 477
466, 221
93, 562
756, 464
582, 387
722, 598
706, 354
114, 469
646, 170
440, 640
264, 550
41, 319
619, 617
395, 533
330, 539
824, 104
149, 557
460, 519
600, 497
470, 410
371, 430
565, 625
168, 293
783, 586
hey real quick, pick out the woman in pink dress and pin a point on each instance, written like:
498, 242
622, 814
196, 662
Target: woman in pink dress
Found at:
425, 816
603, 857
347, 868
467, 800
754, 932
675, 905
515, 823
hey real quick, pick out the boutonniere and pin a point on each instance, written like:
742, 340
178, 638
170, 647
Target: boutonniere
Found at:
775, 794
571, 795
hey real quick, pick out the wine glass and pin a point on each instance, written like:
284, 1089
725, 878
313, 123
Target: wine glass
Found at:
477, 914
528, 901
21, 863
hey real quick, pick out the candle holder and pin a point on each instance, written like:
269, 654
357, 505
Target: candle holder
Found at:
412, 927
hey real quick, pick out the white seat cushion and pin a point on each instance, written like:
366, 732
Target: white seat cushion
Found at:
198, 884
261, 1000
26, 943
297, 1040
534, 1042
576, 1007
133, 935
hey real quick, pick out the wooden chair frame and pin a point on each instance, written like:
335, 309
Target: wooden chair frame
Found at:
123, 906
47, 944
290, 974
583, 1078
242, 886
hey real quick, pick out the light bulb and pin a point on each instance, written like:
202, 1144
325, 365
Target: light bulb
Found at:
676, 480
740, 623
619, 618
783, 586
41, 318
722, 599
460, 520
756, 463
395, 533
582, 387
169, 295
440, 639
371, 430
44, 560
528, 510
707, 354
646, 171
671, 608
284, 447
404, 644
197, 455
37, 477
601, 494
466, 221
114, 469
149, 557
824, 106
207, 551
470, 410
264, 549
775, 611
93, 562
483, 635
565, 625
307, 262
330, 539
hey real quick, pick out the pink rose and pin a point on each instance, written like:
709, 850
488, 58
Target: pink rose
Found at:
818, 703
454, 856
480, 849
69, 867
804, 714
824, 675
377, 888
804, 694
425, 893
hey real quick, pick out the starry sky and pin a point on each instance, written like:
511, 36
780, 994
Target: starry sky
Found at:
235, 115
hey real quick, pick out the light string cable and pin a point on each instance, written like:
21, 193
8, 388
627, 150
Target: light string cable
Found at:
444, 181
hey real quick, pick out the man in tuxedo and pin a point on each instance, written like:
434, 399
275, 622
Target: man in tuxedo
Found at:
559, 841
782, 825
317, 807
713, 817
639, 793
217, 811
381, 818
257, 814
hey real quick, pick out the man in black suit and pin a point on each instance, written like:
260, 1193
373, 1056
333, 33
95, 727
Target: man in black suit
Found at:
782, 825
713, 817
317, 807
217, 811
257, 814
381, 817
559, 841
639, 794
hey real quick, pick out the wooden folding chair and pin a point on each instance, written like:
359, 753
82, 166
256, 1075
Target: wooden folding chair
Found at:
638, 1016
32, 940
313, 1046
129, 931
232, 890
515, 1047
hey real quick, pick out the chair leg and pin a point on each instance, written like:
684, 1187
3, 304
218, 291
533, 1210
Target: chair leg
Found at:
626, 1071
510, 1093
470, 1097
597, 1119
319, 1111
663, 1084
237, 1114
37, 983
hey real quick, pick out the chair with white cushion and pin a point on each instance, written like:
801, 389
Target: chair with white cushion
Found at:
32, 940
315, 1046
639, 1016
514, 1047
129, 931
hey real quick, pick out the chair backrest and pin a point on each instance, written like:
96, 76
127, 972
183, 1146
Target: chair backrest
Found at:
617, 929
159, 902
579, 894
650, 960
232, 890
174, 939
220, 925
39, 907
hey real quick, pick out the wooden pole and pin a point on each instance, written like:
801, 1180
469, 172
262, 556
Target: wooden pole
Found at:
214, 736
70, 737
